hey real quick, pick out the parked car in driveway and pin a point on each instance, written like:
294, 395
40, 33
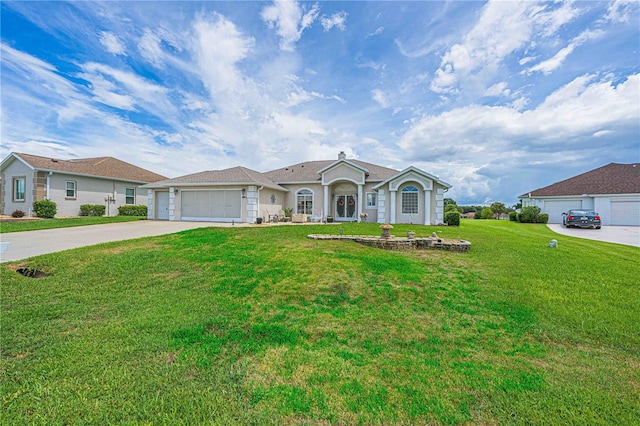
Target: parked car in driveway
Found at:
581, 219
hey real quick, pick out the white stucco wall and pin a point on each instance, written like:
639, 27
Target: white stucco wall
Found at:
17, 169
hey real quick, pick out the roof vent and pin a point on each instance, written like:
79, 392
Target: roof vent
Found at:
55, 160
342, 156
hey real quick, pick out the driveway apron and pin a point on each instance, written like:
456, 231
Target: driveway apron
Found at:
626, 235
21, 245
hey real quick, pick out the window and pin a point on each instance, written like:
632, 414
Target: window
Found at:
304, 202
71, 189
129, 195
410, 200
18, 189
372, 199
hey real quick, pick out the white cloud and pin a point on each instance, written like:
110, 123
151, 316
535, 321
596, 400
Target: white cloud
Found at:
379, 96
336, 20
504, 136
112, 43
503, 28
551, 64
620, 10
498, 89
289, 21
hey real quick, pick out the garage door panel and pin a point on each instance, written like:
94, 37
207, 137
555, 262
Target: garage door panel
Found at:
211, 205
626, 213
555, 208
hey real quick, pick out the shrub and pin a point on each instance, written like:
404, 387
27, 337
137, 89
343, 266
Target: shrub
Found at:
18, 213
513, 216
45, 208
92, 210
529, 214
542, 218
477, 215
486, 213
452, 218
450, 208
140, 210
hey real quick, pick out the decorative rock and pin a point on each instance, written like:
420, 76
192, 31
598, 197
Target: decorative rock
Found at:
411, 235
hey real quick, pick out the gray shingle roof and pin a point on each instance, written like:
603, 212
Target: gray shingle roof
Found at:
234, 175
308, 171
614, 178
108, 167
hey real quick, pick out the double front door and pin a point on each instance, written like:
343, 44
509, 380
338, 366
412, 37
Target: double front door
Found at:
345, 208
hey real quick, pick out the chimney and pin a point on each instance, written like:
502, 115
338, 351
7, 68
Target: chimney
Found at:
342, 156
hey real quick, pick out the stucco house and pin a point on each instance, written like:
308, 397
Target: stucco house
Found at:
343, 189
108, 181
613, 191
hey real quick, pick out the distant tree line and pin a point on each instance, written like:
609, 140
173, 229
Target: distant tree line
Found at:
494, 211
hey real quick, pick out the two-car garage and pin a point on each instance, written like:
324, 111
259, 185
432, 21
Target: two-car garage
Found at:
218, 205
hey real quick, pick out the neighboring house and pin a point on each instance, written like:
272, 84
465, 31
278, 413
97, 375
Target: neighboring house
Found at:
69, 183
341, 188
613, 191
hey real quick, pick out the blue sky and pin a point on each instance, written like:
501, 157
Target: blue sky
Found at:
496, 98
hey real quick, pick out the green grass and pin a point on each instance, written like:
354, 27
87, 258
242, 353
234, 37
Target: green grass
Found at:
37, 224
263, 326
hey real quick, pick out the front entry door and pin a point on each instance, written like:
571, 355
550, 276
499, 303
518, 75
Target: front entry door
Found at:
345, 207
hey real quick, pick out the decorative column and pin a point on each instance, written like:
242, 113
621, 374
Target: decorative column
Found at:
325, 201
172, 203
382, 211
427, 207
359, 209
150, 204
392, 207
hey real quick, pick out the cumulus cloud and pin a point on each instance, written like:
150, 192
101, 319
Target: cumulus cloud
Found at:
112, 43
502, 29
565, 122
336, 20
379, 96
289, 20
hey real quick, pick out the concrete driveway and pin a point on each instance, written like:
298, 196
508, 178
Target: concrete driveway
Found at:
21, 245
626, 235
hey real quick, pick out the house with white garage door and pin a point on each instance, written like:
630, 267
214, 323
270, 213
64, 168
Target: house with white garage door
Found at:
613, 191
342, 189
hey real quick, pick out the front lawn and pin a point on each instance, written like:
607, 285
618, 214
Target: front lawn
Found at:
260, 325
38, 224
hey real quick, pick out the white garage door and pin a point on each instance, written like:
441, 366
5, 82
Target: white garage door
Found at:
212, 205
556, 208
625, 213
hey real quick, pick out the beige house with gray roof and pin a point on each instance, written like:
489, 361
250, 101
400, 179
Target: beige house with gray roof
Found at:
343, 189
107, 181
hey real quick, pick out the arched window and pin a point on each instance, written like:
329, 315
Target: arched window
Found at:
304, 202
409, 200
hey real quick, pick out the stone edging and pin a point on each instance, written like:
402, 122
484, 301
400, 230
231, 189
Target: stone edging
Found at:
400, 244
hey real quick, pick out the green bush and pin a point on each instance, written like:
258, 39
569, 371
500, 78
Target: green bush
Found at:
139, 210
486, 213
452, 218
513, 216
542, 218
450, 208
45, 208
92, 210
17, 213
529, 214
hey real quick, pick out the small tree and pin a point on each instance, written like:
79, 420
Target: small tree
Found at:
528, 214
498, 209
486, 213
448, 201
45, 208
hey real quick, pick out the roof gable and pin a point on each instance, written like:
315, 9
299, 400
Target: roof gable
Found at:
310, 171
614, 178
411, 172
103, 167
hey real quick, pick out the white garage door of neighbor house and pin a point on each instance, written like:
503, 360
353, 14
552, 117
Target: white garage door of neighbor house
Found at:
625, 213
162, 206
212, 205
556, 208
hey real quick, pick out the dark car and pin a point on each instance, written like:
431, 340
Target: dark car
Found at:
581, 219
